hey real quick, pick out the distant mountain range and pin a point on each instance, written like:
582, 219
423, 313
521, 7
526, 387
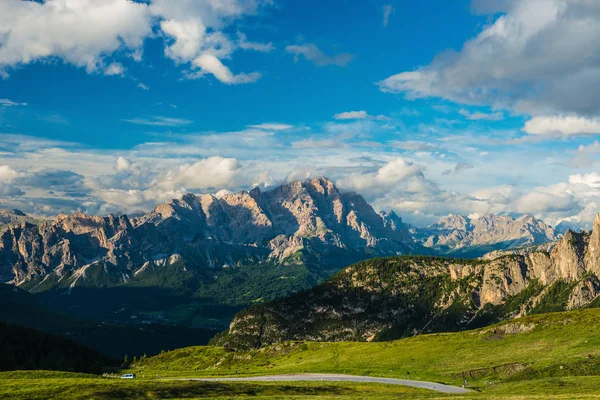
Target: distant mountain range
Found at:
458, 235
390, 298
197, 260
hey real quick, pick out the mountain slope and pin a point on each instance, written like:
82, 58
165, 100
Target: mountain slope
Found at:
462, 236
383, 299
192, 256
24, 348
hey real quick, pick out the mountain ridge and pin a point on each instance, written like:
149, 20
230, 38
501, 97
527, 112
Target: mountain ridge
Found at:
460, 235
383, 299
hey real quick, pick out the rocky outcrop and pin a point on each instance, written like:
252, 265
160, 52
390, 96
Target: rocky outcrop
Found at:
474, 237
390, 298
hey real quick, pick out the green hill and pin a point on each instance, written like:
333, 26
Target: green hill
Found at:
536, 347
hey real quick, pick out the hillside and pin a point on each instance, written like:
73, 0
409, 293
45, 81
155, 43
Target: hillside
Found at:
23, 348
506, 355
390, 298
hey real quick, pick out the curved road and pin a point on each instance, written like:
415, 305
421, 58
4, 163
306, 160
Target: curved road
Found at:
438, 387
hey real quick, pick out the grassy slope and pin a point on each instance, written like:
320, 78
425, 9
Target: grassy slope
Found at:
547, 346
34, 385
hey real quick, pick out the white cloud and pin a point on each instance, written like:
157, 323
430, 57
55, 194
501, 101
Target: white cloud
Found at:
385, 178
312, 143
142, 86
562, 126
312, 53
245, 44
80, 32
536, 202
7, 174
194, 29
359, 115
271, 126
159, 121
388, 9
115, 69
87, 33
474, 116
591, 179
123, 164
210, 64
538, 58
10, 103
212, 172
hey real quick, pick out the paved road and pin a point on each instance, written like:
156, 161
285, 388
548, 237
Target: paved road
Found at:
438, 387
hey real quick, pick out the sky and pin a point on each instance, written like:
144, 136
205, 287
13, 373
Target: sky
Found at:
425, 108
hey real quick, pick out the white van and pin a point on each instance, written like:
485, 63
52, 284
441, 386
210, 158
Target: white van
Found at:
128, 376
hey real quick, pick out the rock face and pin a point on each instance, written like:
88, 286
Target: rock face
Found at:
384, 299
205, 232
9, 217
473, 237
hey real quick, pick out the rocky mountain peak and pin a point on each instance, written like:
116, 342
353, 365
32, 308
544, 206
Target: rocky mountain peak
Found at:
486, 233
452, 221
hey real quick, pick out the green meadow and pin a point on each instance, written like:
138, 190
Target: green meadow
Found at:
553, 355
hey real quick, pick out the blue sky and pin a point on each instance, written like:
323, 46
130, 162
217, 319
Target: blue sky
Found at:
427, 108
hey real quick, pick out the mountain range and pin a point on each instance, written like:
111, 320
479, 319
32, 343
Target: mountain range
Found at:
458, 235
197, 260
198, 253
390, 298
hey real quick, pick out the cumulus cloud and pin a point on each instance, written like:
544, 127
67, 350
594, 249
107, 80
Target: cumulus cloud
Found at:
115, 69
562, 126
537, 202
7, 174
123, 165
195, 32
87, 33
385, 178
210, 64
537, 58
591, 179
312, 53
80, 32
210, 173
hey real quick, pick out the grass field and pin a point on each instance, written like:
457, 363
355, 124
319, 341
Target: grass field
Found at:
545, 356
38, 385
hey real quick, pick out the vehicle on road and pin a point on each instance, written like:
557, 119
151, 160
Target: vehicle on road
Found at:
128, 376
